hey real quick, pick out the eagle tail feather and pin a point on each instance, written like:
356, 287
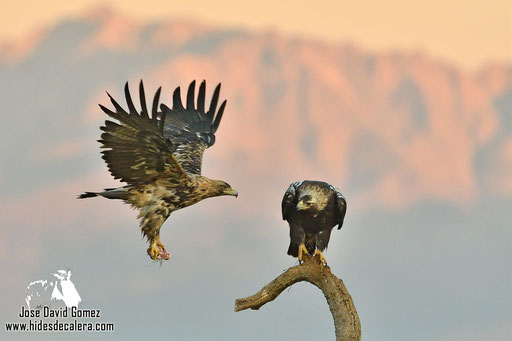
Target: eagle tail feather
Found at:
293, 250
109, 193
87, 195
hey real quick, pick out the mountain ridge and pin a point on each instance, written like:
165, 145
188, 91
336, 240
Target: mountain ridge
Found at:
392, 127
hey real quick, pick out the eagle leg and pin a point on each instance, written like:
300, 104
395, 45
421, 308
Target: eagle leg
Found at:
320, 256
157, 250
158, 243
152, 219
302, 251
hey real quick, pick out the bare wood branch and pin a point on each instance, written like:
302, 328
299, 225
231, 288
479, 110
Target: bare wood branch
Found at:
346, 321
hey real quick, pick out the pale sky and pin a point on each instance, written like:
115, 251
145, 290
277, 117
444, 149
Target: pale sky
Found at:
470, 32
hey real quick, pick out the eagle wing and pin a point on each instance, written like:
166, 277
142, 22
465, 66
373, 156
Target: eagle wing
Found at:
192, 129
136, 150
341, 206
290, 199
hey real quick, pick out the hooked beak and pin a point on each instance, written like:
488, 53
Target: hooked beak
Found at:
302, 206
232, 191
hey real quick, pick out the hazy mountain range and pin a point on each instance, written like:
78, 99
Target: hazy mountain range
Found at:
390, 127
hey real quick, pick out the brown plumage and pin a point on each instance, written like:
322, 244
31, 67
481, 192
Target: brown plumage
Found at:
159, 157
312, 209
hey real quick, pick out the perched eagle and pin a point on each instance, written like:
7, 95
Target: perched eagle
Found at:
159, 157
312, 209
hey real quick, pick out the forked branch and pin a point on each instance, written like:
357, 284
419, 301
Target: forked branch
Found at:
346, 321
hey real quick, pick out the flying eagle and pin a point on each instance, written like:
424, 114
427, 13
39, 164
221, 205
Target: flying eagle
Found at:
312, 209
159, 157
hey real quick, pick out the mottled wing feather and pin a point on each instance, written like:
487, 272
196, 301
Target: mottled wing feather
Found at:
290, 199
190, 156
191, 129
136, 150
341, 206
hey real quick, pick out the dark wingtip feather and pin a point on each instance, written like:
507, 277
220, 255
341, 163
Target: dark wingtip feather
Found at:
129, 101
219, 116
176, 100
103, 108
107, 111
190, 95
142, 98
115, 104
213, 104
201, 97
156, 99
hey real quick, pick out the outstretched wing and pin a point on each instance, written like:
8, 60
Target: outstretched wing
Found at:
290, 199
190, 128
136, 150
341, 206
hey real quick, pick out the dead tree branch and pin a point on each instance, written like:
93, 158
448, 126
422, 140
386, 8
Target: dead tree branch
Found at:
346, 321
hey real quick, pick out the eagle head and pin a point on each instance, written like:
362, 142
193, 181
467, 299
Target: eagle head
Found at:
223, 188
307, 202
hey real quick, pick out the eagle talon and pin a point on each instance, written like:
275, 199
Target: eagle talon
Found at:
157, 252
302, 251
153, 251
160, 245
320, 256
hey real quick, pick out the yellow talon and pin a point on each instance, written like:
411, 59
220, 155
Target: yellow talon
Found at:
302, 251
157, 250
154, 251
321, 256
159, 243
